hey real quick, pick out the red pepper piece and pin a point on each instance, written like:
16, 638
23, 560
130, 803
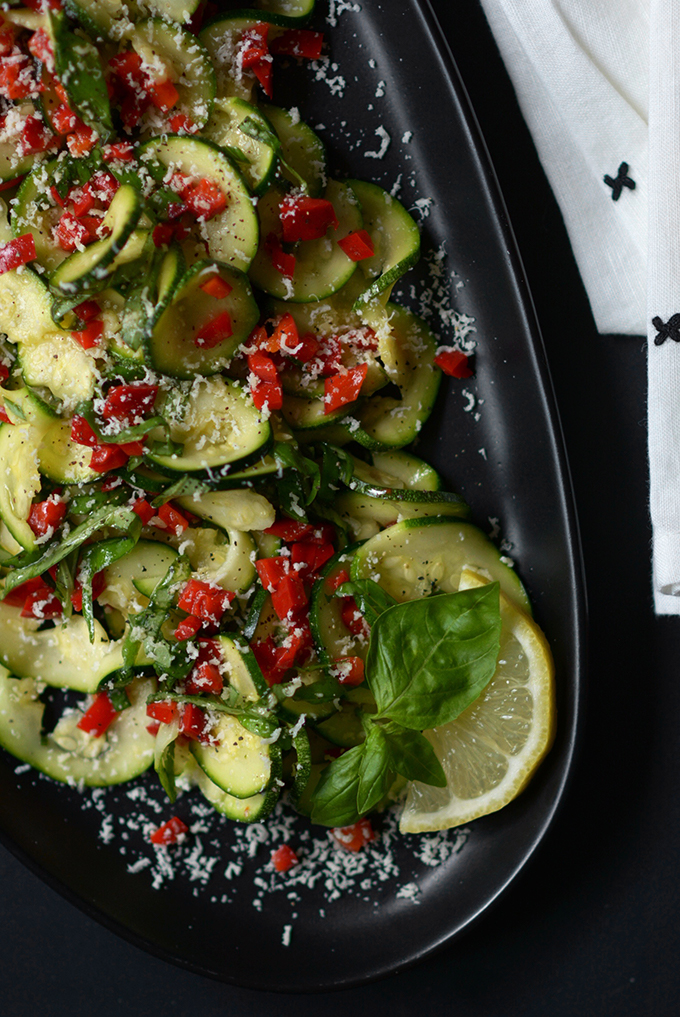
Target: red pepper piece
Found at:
163, 710
72, 232
42, 604
349, 670
6, 184
163, 94
58, 200
81, 141
205, 600
129, 403
88, 310
305, 218
180, 123
7, 38
205, 677
35, 137
99, 716
17, 252
352, 618
171, 519
267, 393
330, 358
284, 858
98, 587
188, 628
290, 530
82, 433
282, 262
45, 516
90, 335
128, 67
17, 596
262, 366
354, 837
64, 120
341, 389
214, 331
285, 334
298, 42
204, 199
16, 77
169, 833
163, 234
454, 363
312, 556
306, 348
264, 72
336, 579
358, 245
254, 46
41, 5
120, 151
289, 596
216, 287
107, 457
271, 571
144, 510
193, 723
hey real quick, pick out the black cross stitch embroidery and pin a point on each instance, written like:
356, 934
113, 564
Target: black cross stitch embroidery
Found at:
667, 330
622, 180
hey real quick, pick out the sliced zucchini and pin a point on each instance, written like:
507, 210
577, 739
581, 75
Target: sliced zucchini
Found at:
231, 235
114, 18
332, 638
395, 236
241, 763
57, 362
13, 165
125, 751
140, 571
418, 557
366, 515
174, 345
241, 810
223, 36
62, 656
321, 267
172, 53
63, 460
19, 479
232, 509
413, 473
303, 153
222, 558
343, 728
83, 271
35, 211
25, 307
291, 10
220, 425
256, 156
242, 670
310, 415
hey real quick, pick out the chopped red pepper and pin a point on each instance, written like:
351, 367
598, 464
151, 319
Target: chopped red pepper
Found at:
129, 403
64, 120
90, 335
163, 233
205, 677
282, 262
188, 628
99, 716
107, 457
35, 136
289, 596
336, 579
216, 287
305, 218
193, 723
42, 603
98, 587
214, 331
180, 123
88, 310
17, 596
290, 530
354, 837
170, 832
349, 670
275, 661
71, 232
267, 393
262, 366
121, 151
204, 199
163, 94
128, 67
341, 389
172, 519
453, 363
82, 433
164, 710
45, 516
6, 184
311, 556
17, 252
284, 858
16, 77
271, 571
352, 618
306, 348
358, 245
298, 42
205, 600
144, 510
81, 141
254, 46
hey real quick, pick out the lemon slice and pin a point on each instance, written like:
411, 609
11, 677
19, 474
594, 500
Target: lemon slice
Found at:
491, 750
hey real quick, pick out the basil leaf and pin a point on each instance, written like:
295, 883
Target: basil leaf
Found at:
256, 128
371, 599
95, 558
78, 67
429, 659
411, 755
164, 765
375, 772
337, 469
334, 801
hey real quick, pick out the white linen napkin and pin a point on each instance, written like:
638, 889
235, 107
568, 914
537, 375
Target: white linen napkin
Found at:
598, 82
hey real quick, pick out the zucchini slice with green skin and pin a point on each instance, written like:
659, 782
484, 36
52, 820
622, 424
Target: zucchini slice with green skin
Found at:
123, 753
222, 38
242, 669
309, 415
395, 236
366, 515
414, 473
63, 656
290, 10
255, 156
185, 62
241, 763
220, 426
84, 270
232, 235
58, 363
111, 18
331, 636
19, 479
224, 558
241, 810
321, 267
63, 460
140, 570
418, 557
303, 153
174, 346
344, 728
35, 211
402, 477
231, 509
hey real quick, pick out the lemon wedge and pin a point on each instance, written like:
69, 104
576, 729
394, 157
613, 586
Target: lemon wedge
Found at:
491, 750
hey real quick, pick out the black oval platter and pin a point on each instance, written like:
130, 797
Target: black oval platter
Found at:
496, 438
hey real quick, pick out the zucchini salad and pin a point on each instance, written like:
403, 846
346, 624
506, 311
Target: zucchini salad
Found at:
218, 561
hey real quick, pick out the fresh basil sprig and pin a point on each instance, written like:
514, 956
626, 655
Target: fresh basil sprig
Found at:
427, 661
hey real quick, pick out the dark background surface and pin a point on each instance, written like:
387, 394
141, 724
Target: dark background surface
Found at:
590, 926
